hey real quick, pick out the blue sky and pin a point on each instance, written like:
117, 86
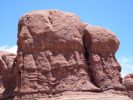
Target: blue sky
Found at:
116, 15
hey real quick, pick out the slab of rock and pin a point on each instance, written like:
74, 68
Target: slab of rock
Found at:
128, 83
101, 45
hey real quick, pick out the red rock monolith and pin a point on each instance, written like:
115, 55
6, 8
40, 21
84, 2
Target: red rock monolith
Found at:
51, 54
59, 57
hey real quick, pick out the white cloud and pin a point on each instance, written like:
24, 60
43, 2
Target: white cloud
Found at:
12, 49
126, 64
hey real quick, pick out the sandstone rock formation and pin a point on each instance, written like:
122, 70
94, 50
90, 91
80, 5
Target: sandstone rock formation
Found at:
51, 54
128, 82
101, 45
58, 55
7, 77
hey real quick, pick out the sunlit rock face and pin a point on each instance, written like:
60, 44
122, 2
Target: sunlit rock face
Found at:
7, 76
101, 46
61, 57
51, 53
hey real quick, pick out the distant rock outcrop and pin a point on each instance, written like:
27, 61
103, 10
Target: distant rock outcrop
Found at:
7, 76
128, 82
60, 57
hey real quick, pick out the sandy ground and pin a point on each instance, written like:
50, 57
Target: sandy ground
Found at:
88, 96
80, 96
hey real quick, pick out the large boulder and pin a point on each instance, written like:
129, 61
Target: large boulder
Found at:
101, 45
51, 54
128, 83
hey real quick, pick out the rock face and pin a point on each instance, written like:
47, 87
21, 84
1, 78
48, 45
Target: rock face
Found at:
101, 45
51, 54
59, 55
6, 73
128, 82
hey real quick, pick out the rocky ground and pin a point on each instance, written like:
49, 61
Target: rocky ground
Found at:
82, 96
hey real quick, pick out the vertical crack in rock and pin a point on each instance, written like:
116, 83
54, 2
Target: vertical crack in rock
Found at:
86, 55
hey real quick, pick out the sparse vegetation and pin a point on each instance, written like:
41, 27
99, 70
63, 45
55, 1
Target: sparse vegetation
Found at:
32, 98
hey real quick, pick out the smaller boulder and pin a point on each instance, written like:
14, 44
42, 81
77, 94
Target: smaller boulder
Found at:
7, 77
128, 82
101, 46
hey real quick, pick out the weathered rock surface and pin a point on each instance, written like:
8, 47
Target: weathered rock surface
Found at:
51, 54
128, 83
61, 58
6, 73
101, 45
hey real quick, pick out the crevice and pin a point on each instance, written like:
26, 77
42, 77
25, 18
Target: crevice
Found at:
87, 56
50, 20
